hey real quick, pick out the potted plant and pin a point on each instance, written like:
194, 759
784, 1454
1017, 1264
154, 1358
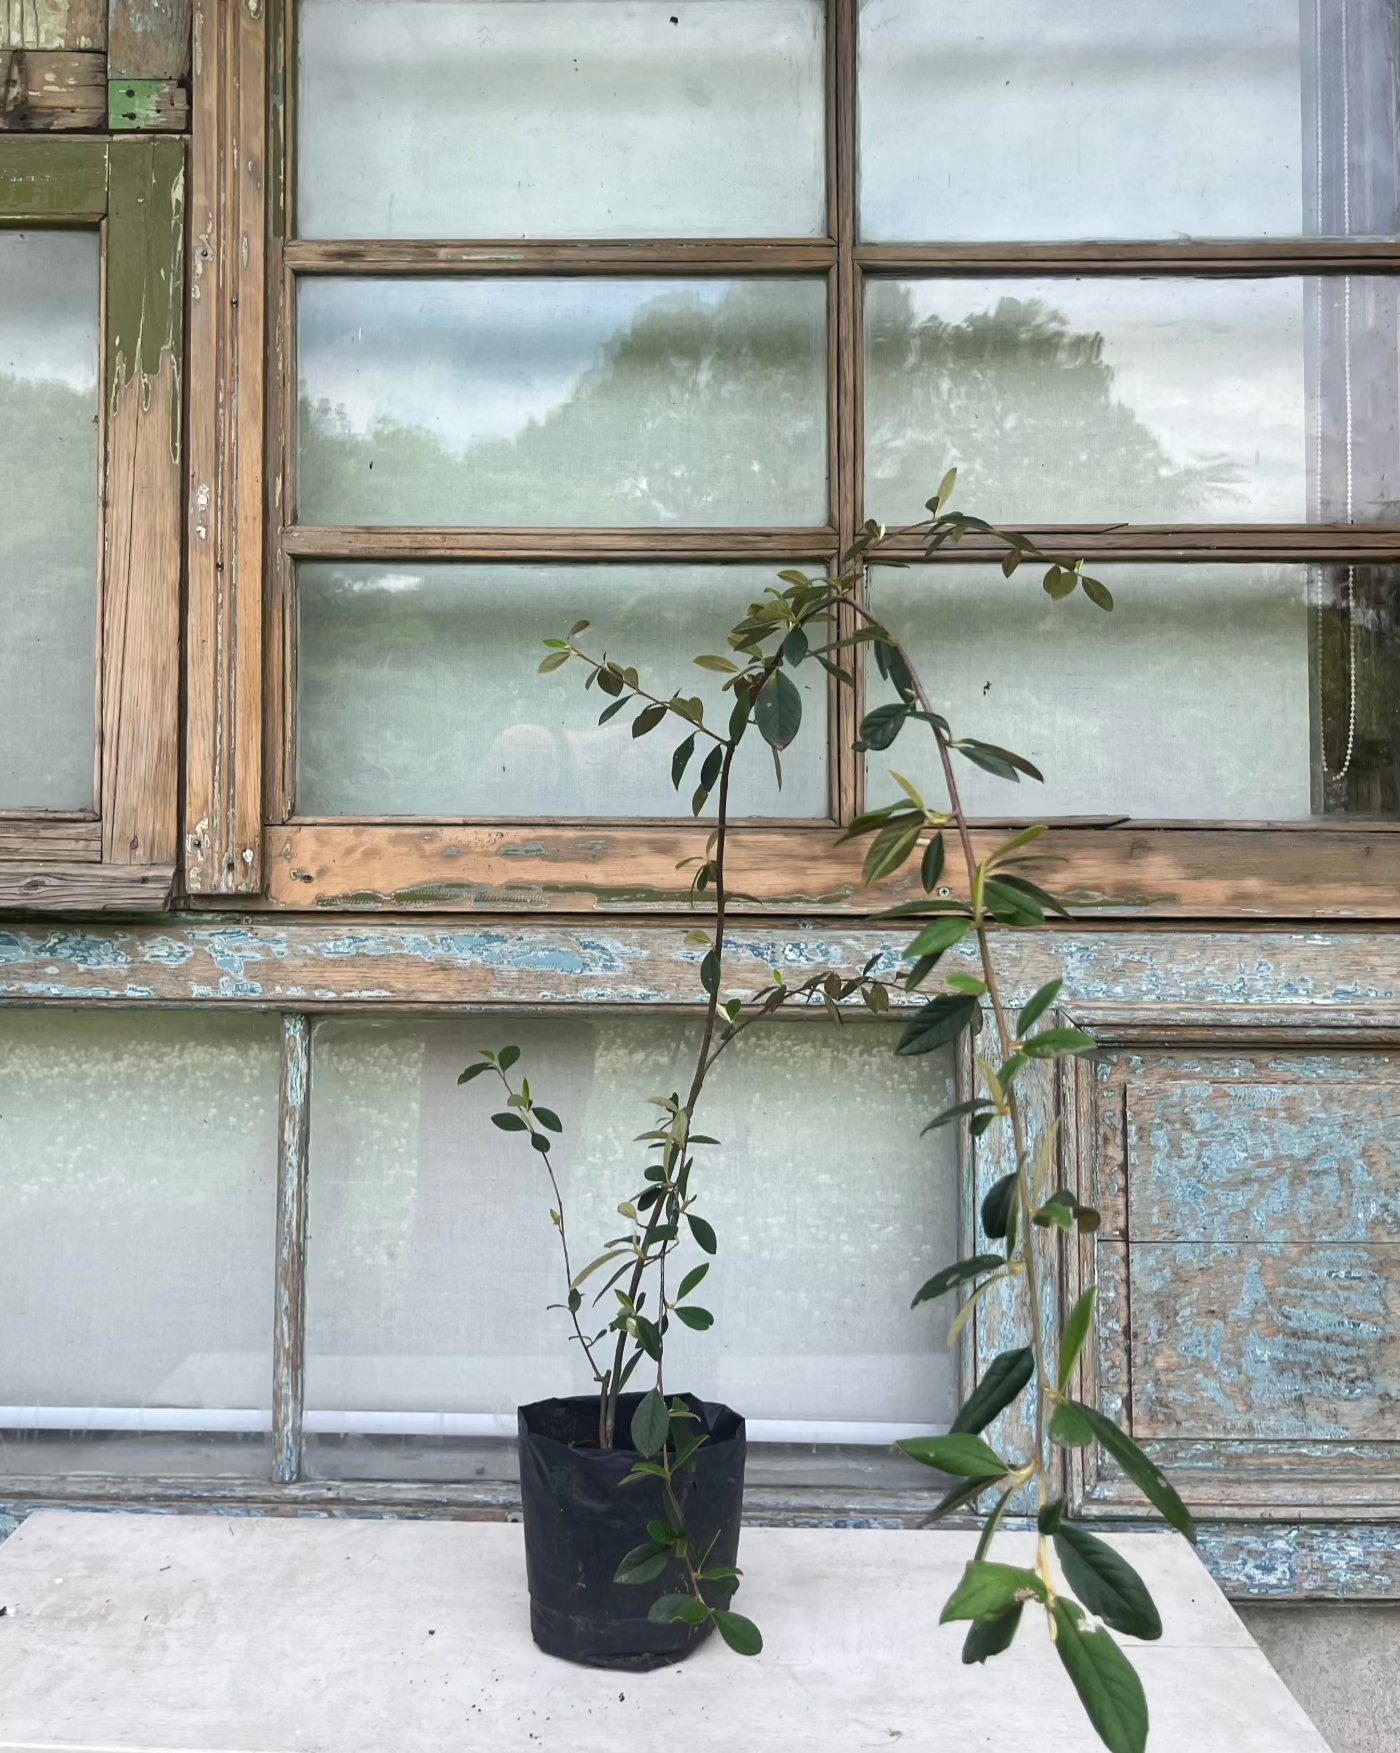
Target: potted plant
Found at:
657, 1480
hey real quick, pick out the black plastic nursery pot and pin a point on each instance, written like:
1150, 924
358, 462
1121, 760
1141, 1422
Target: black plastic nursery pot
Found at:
581, 1521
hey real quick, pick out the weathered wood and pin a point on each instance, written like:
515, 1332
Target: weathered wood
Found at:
42, 89
289, 1315
147, 106
1280, 1340
37, 840
53, 179
224, 613
1231, 1147
85, 888
149, 39
518, 256
279, 962
1118, 872
783, 547
53, 24
1266, 543
141, 599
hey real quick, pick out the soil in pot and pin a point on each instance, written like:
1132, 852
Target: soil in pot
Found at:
581, 1521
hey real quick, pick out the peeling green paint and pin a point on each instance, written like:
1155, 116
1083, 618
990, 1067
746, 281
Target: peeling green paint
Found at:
145, 272
449, 895
53, 179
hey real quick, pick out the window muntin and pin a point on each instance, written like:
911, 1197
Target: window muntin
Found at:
431, 1257
562, 403
386, 727
561, 119
1080, 119
50, 348
138, 1166
1141, 400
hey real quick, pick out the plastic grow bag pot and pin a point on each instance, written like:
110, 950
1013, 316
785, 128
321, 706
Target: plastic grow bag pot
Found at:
581, 1521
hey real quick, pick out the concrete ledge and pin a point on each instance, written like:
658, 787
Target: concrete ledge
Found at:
129, 1633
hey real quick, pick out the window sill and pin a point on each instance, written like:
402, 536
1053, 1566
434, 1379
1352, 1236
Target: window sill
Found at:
291, 1633
85, 888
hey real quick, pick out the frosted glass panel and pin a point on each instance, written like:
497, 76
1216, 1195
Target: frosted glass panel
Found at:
561, 118
49, 349
1190, 700
1092, 119
1134, 400
418, 692
432, 1255
138, 1169
558, 402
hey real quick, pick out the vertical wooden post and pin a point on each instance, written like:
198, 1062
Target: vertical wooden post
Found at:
289, 1316
848, 703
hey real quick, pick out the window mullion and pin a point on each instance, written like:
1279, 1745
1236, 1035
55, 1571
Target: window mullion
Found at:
289, 1310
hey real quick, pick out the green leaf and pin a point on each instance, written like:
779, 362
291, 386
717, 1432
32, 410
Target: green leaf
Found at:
795, 647
944, 493
778, 710
1050, 1042
709, 973
1075, 1333
647, 720
931, 865
693, 1277
996, 1208
992, 759
667, 1608
556, 660
709, 771
963, 1455
1108, 1687
720, 665
989, 1637
1148, 1478
1050, 1515
540, 1143
700, 1319
548, 1119
704, 1235
976, 1105
1004, 903
473, 1071
612, 711
741, 1634
1036, 1006
643, 1564
1042, 897
1106, 1583
1068, 1429
960, 1272
879, 728
987, 1589
680, 760
602, 1260
1006, 1377
509, 1123
1059, 582
651, 1425
934, 939
1098, 594
507, 1057
892, 846
936, 1023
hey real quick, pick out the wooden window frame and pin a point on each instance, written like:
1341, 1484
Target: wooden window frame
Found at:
121, 855
243, 837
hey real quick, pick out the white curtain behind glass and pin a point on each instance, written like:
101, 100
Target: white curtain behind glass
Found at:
432, 1257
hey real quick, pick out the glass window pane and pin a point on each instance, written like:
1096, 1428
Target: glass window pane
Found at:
1042, 119
138, 1169
561, 118
432, 1256
49, 347
419, 692
1190, 700
1134, 400
563, 402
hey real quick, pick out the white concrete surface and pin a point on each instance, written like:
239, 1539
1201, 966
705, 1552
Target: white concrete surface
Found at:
1341, 1661
128, 1633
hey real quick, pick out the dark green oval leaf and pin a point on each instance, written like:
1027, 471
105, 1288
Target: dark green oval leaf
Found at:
1148, 1478
473, 1071
879, 728
988, 1589
1068, 1429
963, 1455
989, 1637
1108, 1687
647, 720
996, 1208
931, 865
1036, 1006
680, 760
651, 1424
509, 1122
700, 1319
936, 1023
1006, 1377
778, 710
696, 1273
704, 1235
507, 1057
1075, 1333
643, 1564
548, 1119
741, 1634
960, 1272
1106, 1583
